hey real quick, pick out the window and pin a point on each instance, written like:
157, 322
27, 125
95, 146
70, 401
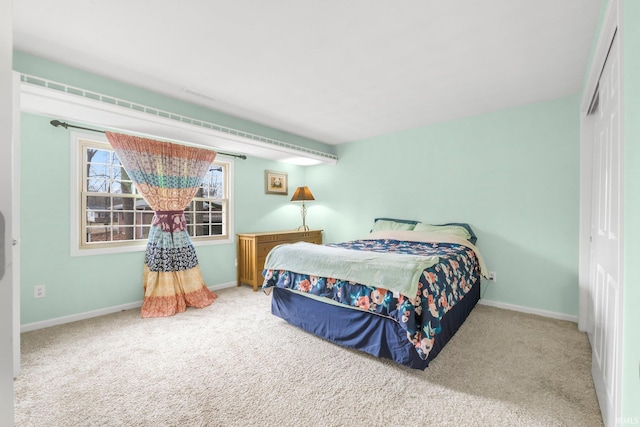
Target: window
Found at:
113, 215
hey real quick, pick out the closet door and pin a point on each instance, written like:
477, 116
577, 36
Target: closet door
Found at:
605, 252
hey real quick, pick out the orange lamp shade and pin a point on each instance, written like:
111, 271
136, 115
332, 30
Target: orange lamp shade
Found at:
301, 194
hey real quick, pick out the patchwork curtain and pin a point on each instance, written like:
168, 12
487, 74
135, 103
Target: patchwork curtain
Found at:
167, 176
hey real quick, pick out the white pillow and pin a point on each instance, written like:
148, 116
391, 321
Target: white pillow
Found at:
456, 230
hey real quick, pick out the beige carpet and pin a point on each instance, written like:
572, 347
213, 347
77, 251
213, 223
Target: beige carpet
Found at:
235, 364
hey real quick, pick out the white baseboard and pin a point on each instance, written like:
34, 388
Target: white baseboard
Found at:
529, 310
108, 310
222, 286
79, 316
95, 313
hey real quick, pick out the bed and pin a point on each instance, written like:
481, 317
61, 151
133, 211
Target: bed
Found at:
400, 293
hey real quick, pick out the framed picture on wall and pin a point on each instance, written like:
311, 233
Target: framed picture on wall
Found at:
276, 183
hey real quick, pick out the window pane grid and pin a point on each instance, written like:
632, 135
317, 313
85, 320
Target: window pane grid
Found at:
114, 212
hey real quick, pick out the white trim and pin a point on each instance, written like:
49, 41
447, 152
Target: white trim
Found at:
608, 29
584, 236
129, 306
611, 27
7, 286
27, 327
15, 226
40, 96
529, 310
75, 317
231, 197
141, 246
223, 286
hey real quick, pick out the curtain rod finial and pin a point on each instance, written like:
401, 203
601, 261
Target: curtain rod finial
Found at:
57, 123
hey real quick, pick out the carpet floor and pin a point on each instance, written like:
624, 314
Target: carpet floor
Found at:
235, 364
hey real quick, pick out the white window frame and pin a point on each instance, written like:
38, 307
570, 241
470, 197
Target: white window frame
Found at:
77, 215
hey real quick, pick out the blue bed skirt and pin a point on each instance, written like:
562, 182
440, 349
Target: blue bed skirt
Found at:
368, 332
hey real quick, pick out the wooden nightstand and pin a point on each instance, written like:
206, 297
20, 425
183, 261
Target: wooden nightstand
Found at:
254, 247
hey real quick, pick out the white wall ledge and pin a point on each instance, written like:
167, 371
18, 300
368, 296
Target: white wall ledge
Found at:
60, 101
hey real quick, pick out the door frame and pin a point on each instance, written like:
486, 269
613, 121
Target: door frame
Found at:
610, 28
7, 288
15, 221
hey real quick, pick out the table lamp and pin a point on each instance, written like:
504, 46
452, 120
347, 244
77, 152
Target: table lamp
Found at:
302, 194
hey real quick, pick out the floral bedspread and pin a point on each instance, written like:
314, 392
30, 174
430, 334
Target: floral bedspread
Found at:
440, 287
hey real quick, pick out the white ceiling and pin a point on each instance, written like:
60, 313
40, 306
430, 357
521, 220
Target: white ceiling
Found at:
332, 70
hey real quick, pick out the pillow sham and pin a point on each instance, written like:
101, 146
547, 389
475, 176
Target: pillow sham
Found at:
473, 239
382, 224
409, 224
456, 230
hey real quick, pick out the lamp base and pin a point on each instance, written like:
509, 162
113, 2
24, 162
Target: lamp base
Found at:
303, 212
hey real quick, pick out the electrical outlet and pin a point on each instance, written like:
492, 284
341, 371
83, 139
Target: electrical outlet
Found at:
492, 276
38, 291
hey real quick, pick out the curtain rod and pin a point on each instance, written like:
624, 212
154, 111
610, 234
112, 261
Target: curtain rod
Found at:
65, 125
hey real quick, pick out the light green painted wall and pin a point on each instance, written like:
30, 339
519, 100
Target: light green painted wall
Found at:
73, 285
512, 175
631, 292
80, 284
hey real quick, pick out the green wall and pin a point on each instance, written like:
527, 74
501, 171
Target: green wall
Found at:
631, 290
512, 175
80, 284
